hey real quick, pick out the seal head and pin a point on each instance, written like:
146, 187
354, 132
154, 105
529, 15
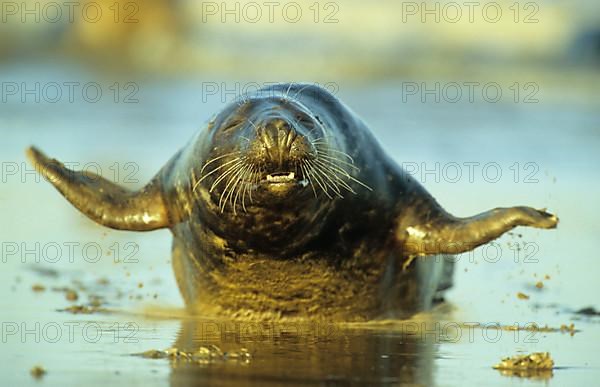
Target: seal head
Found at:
260, 149
272, 169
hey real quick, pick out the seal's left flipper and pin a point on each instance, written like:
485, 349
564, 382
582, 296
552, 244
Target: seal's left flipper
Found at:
103, 201
443, 233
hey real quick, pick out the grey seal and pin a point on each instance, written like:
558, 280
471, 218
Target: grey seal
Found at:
286, 206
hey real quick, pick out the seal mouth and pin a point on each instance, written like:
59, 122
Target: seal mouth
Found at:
281, 177
284, 179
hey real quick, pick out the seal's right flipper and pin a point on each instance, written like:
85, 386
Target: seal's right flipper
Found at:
446, 234
103, 201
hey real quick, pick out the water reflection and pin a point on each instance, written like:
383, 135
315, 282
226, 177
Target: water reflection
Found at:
304, 352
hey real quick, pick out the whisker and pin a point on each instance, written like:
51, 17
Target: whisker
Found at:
252, 123
310, 132
255, 179
239, 187
225, 194
215, 159
323, 177
331, 159
346, 174
342, 153
318, 180
287, 92
305, 173
301, 90
246, 185
237, 159
335, 175
320, 140
225, 174
333, 185
308, 170
237, 180
219, 167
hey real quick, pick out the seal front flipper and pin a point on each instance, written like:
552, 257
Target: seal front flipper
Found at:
443, 233
103, 201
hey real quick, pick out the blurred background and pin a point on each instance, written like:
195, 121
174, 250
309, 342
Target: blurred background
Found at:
305, 39
118, 86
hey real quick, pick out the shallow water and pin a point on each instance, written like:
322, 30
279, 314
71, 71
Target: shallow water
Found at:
57, 247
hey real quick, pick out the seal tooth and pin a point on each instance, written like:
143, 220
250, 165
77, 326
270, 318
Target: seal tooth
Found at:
281, 178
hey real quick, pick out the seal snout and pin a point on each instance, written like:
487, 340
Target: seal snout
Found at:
283, 143
279, 149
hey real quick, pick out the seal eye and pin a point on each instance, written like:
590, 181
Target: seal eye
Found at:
305, 121
231, 125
